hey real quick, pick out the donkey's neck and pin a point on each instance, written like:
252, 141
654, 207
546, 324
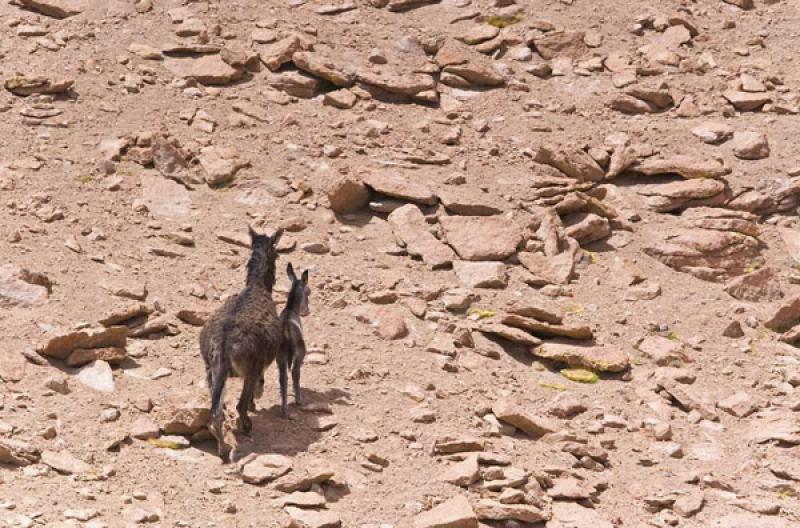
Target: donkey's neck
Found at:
257, 276
293, 299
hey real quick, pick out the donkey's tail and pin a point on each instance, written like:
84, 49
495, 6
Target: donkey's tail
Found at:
220, 368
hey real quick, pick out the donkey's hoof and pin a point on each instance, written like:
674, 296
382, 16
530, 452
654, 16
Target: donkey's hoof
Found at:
245, 424
224, 452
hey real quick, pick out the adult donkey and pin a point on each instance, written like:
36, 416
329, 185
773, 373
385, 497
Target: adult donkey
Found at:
243, 337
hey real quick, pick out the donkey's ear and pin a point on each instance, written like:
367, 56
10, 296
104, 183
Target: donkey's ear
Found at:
290, 272
305, 277
277, 236
253, 234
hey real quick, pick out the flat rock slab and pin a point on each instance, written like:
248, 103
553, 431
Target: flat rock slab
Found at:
509, 333
97, 376
473, 67
400, 6
481, 274
572, 515
791, 239
453, 513
65, 463
266, 468
712, 132
18, 453
537, 308
165, 198
84, 356
462, 473
685, 166
524, 420
546, 329
786, 316
675, 196
209, 70
597, 358
446, 445
398, 186
301, 518
304, 499
463, 201
55, 8
561, 44
61, 346
409, 226
707, 254
491, 510
314, 472
747, 101
221, 164
760, 285
482, 238
279, 53
16, 292
780, 430
557, 269
572, 161
27, 85
326, 64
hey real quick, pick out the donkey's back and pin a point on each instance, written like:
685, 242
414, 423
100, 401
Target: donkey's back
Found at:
245, 327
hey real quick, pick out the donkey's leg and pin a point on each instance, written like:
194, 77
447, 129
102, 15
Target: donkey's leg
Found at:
299, 356
246, 399
298, 395
283, 379
257, 393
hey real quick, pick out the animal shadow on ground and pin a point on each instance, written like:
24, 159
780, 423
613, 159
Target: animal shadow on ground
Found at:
274, 434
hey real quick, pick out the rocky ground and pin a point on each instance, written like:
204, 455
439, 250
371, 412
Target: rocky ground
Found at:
553, 246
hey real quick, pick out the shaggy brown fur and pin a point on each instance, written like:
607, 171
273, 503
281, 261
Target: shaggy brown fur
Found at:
243, 337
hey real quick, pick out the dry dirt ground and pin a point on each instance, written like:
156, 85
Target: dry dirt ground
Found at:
467, 180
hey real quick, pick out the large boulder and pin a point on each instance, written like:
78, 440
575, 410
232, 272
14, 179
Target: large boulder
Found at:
347, 195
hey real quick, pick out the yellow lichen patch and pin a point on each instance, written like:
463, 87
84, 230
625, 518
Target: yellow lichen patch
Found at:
580, 375
554, 386
480, 313
166, 444
574, 309
756, 264
502, 22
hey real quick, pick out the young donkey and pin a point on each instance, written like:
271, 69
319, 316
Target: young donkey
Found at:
243, 337
293, 348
